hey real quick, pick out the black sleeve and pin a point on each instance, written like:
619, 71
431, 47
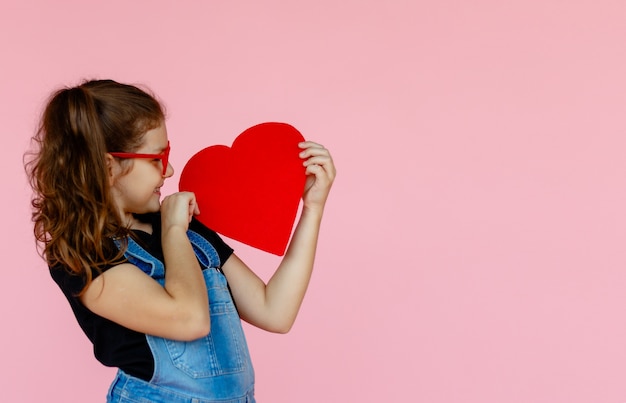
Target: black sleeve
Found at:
70, 284
223, 250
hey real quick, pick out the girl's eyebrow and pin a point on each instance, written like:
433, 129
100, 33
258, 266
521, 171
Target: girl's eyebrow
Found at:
157, 150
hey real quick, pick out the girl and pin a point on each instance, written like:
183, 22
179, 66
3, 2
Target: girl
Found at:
159, 295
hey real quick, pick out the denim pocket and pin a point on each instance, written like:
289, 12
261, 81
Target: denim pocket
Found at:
223, 351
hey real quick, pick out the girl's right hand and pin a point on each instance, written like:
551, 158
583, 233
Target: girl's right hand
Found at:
178, 209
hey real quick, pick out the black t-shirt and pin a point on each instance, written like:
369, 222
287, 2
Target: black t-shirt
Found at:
115, 345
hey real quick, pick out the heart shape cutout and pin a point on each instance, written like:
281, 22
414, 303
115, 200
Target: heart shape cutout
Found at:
250, 191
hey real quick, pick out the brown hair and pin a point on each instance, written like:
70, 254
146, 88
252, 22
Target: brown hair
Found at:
73, 211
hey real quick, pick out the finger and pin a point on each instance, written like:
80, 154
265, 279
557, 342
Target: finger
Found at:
325, 162
320, 173
322, 161
308, 144
313, 152
195, 208
315, 170
193, 205
310, 148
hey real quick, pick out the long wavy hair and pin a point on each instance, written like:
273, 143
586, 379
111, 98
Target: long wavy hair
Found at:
74, 213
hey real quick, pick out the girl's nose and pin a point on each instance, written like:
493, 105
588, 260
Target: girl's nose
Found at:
169, 171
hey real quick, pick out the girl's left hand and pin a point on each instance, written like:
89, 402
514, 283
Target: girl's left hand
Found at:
320, 171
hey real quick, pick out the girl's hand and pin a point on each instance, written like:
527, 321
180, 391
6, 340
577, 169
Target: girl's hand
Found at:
320, 171
177, 210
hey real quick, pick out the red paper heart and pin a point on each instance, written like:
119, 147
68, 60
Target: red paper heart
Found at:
250, 192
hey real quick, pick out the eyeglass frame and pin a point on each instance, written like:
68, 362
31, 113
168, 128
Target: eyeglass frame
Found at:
163, 156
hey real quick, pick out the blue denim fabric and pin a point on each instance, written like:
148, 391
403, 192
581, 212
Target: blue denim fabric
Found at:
215, 368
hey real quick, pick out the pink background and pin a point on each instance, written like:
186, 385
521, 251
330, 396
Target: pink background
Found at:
473, 246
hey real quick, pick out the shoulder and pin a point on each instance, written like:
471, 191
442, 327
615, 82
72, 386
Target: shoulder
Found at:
72, 283
196, 226
223, 249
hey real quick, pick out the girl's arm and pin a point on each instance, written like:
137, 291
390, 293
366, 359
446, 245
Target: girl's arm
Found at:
274, 306
126, 295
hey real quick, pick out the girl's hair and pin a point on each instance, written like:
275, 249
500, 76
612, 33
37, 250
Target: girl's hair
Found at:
73, 211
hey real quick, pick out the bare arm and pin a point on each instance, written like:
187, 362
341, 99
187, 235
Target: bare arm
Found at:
274, 306
131, 298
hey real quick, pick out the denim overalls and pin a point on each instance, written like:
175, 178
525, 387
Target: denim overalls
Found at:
215, 368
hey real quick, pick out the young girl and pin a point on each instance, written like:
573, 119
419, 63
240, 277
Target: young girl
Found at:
159, 295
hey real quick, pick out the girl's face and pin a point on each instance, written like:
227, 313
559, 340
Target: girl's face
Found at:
139, 189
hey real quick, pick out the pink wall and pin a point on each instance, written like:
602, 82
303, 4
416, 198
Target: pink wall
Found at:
473, 248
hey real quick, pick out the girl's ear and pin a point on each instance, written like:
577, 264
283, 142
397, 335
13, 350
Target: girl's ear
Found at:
112, 166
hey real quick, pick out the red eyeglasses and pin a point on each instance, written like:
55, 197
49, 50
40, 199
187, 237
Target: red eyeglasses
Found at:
164, 157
